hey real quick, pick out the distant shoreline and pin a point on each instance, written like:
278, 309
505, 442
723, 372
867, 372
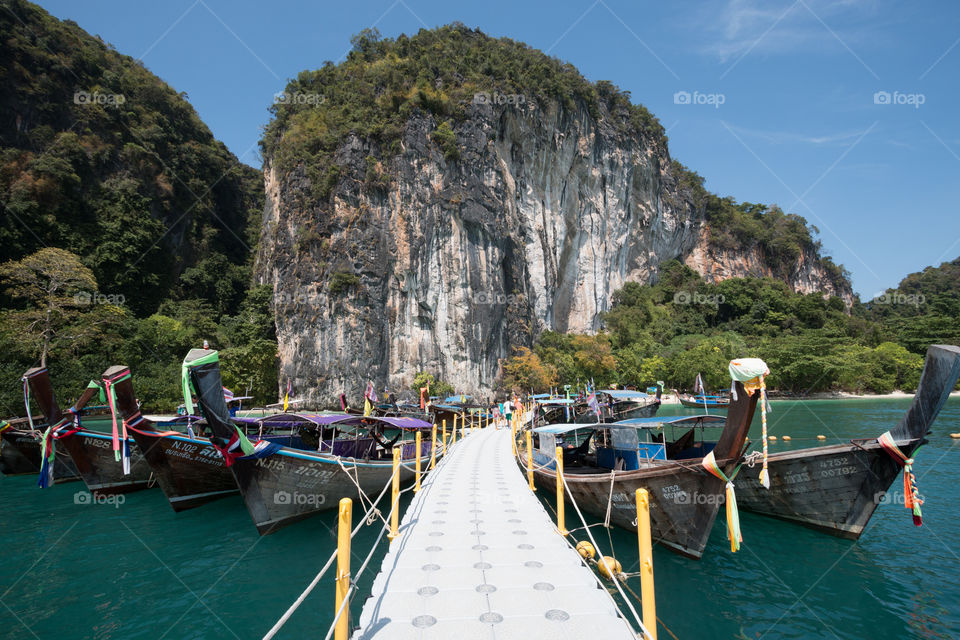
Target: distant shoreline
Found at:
824, 395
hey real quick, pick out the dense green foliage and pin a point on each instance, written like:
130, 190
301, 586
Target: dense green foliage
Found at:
100, 157
87, 336
156, 220
683, 325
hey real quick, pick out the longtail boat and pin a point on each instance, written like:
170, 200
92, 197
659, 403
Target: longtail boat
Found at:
620, 404
702, 401
837, 488
329, 457
92, 452
23, 448
189, 469
686, 476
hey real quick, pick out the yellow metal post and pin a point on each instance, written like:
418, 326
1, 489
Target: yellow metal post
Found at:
560, 518
463, 424
433, 448
530, 460
395, 501
343, 568
453, 434
513, 438
444, 436
646, 563
416, 485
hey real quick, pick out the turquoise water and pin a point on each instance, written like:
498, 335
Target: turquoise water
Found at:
137, 570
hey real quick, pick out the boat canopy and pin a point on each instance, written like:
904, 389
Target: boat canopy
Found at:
706, 420
447, 407
457, 398
635, 423
556, 401
344, 419
624, 394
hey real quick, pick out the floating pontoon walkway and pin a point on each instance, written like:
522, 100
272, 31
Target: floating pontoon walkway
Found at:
479, 557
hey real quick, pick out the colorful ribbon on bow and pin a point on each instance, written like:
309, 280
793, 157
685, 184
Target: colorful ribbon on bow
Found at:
733, 514
26, 400
119, 452
911, 493
752, 373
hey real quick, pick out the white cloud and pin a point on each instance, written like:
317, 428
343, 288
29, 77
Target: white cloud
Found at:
737, 27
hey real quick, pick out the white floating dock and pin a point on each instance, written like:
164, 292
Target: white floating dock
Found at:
479, 557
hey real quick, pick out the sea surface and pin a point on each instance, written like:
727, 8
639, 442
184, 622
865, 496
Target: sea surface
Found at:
72, 569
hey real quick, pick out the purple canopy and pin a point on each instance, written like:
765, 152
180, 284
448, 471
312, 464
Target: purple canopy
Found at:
325, 419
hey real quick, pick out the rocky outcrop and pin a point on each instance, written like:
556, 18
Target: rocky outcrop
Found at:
421, 262
807, 275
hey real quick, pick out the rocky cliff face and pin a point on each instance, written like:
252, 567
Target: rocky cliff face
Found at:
808, 275
419, 262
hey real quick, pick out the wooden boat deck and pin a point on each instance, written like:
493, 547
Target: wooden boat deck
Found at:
479, 557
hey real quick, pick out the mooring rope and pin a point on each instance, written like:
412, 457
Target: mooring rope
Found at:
367, 519
603, 559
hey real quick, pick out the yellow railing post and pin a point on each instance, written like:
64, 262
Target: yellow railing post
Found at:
433, 448
395, 501
343, 568
646, 563
560, 495
513, 437
463, 424
530, 460
444, 436
416, 486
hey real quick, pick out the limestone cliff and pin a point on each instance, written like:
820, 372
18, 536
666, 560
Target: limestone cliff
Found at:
469, 235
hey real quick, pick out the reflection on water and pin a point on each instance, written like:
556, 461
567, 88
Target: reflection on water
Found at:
138, 570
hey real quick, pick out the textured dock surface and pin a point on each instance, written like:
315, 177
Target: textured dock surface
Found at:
479, 557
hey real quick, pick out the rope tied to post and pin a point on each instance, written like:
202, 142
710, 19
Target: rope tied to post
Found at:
911, 493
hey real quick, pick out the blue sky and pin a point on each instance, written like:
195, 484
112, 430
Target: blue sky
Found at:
842, 111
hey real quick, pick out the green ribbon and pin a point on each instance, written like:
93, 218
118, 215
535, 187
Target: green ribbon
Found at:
93, 384
185, 383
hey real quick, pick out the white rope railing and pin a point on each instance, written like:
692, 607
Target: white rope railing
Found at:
366, 519
603, 559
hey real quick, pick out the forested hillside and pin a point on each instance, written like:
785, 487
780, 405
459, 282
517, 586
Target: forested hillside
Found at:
102, 159
682, 326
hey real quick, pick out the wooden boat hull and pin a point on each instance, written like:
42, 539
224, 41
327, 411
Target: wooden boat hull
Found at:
20, 455
92, 453
693, 404
834, 489
191, 472
290, 485
645, 411
683, 503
